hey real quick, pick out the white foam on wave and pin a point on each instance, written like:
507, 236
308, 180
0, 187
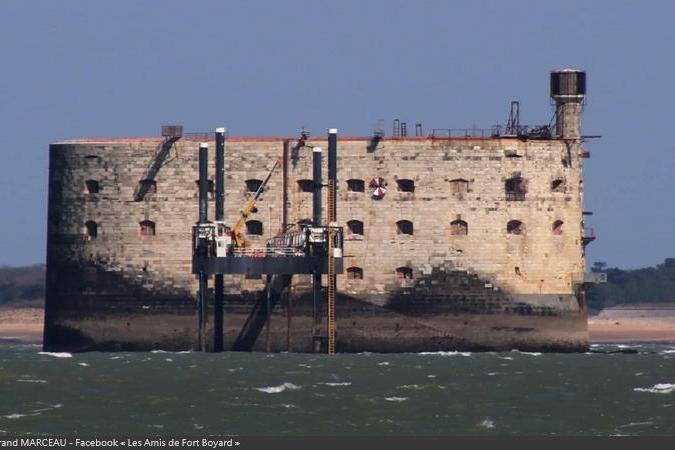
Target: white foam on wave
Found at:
431, 376
83, 364
31, 381
159, 351
277, 389
487, 423
343, 383
383, 363
57, 354
667, 351
396, 399
660, 388
410, 386
453, 353
16, 416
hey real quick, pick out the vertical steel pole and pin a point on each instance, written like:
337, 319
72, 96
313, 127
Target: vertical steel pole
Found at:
220, 216
316, 218
203, 218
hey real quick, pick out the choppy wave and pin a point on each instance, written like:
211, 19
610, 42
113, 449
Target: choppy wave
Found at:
344, 383
31, 381
445, 353
660, 388
396, 399
57, 354
280, 388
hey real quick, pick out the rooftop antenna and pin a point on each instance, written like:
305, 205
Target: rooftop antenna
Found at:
513, 125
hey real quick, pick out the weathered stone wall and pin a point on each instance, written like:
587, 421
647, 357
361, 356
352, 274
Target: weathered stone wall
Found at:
538, 269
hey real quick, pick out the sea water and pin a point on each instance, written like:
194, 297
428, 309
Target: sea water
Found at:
612, 390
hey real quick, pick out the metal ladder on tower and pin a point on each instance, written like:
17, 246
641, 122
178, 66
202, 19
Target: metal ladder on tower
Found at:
331, 268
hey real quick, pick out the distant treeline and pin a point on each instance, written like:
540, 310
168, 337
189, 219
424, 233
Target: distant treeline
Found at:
22, 283
648, 285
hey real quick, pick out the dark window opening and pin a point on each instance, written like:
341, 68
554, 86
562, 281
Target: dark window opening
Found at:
558, 185
354, 273
249, 276
355, 226
210, 189
90, 229
459, 228
91, 186
516, 188
305, 185
459, 186
515, 227
404, 227
147, 186
356, 185
406, 185
557, 227
147, 228
404, 273
253, 185
254, 227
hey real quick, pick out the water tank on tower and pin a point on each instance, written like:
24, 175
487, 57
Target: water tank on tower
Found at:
568, 90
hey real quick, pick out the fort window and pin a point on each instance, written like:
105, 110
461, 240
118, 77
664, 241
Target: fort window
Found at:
91, 187
92, 159
90, 229
558, 185
147, 228
406, 185
305, 186
355, 185
515, 227
254, 227
404, 273
557, 227
516, 188
249, 276
210, 189
404, 227
354, 273
459, 228
147, 186
355, 227
459, 186
253, 185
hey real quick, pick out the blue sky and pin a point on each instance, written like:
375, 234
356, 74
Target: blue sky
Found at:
82, 68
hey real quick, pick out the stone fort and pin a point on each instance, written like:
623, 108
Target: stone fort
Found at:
477, 243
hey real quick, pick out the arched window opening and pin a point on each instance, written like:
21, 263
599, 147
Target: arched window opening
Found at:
405, 185
355, 185
404, 227
210, 189
516, 188
355, 227
515, 227
404, 273
253, 185
354, 273
91, 187
147, 186
147, 228
254, 228
305, 186
557, 227
558, 185
459, 228
91, 229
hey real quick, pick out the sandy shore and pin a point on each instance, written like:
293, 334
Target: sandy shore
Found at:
20, 324
649, 324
